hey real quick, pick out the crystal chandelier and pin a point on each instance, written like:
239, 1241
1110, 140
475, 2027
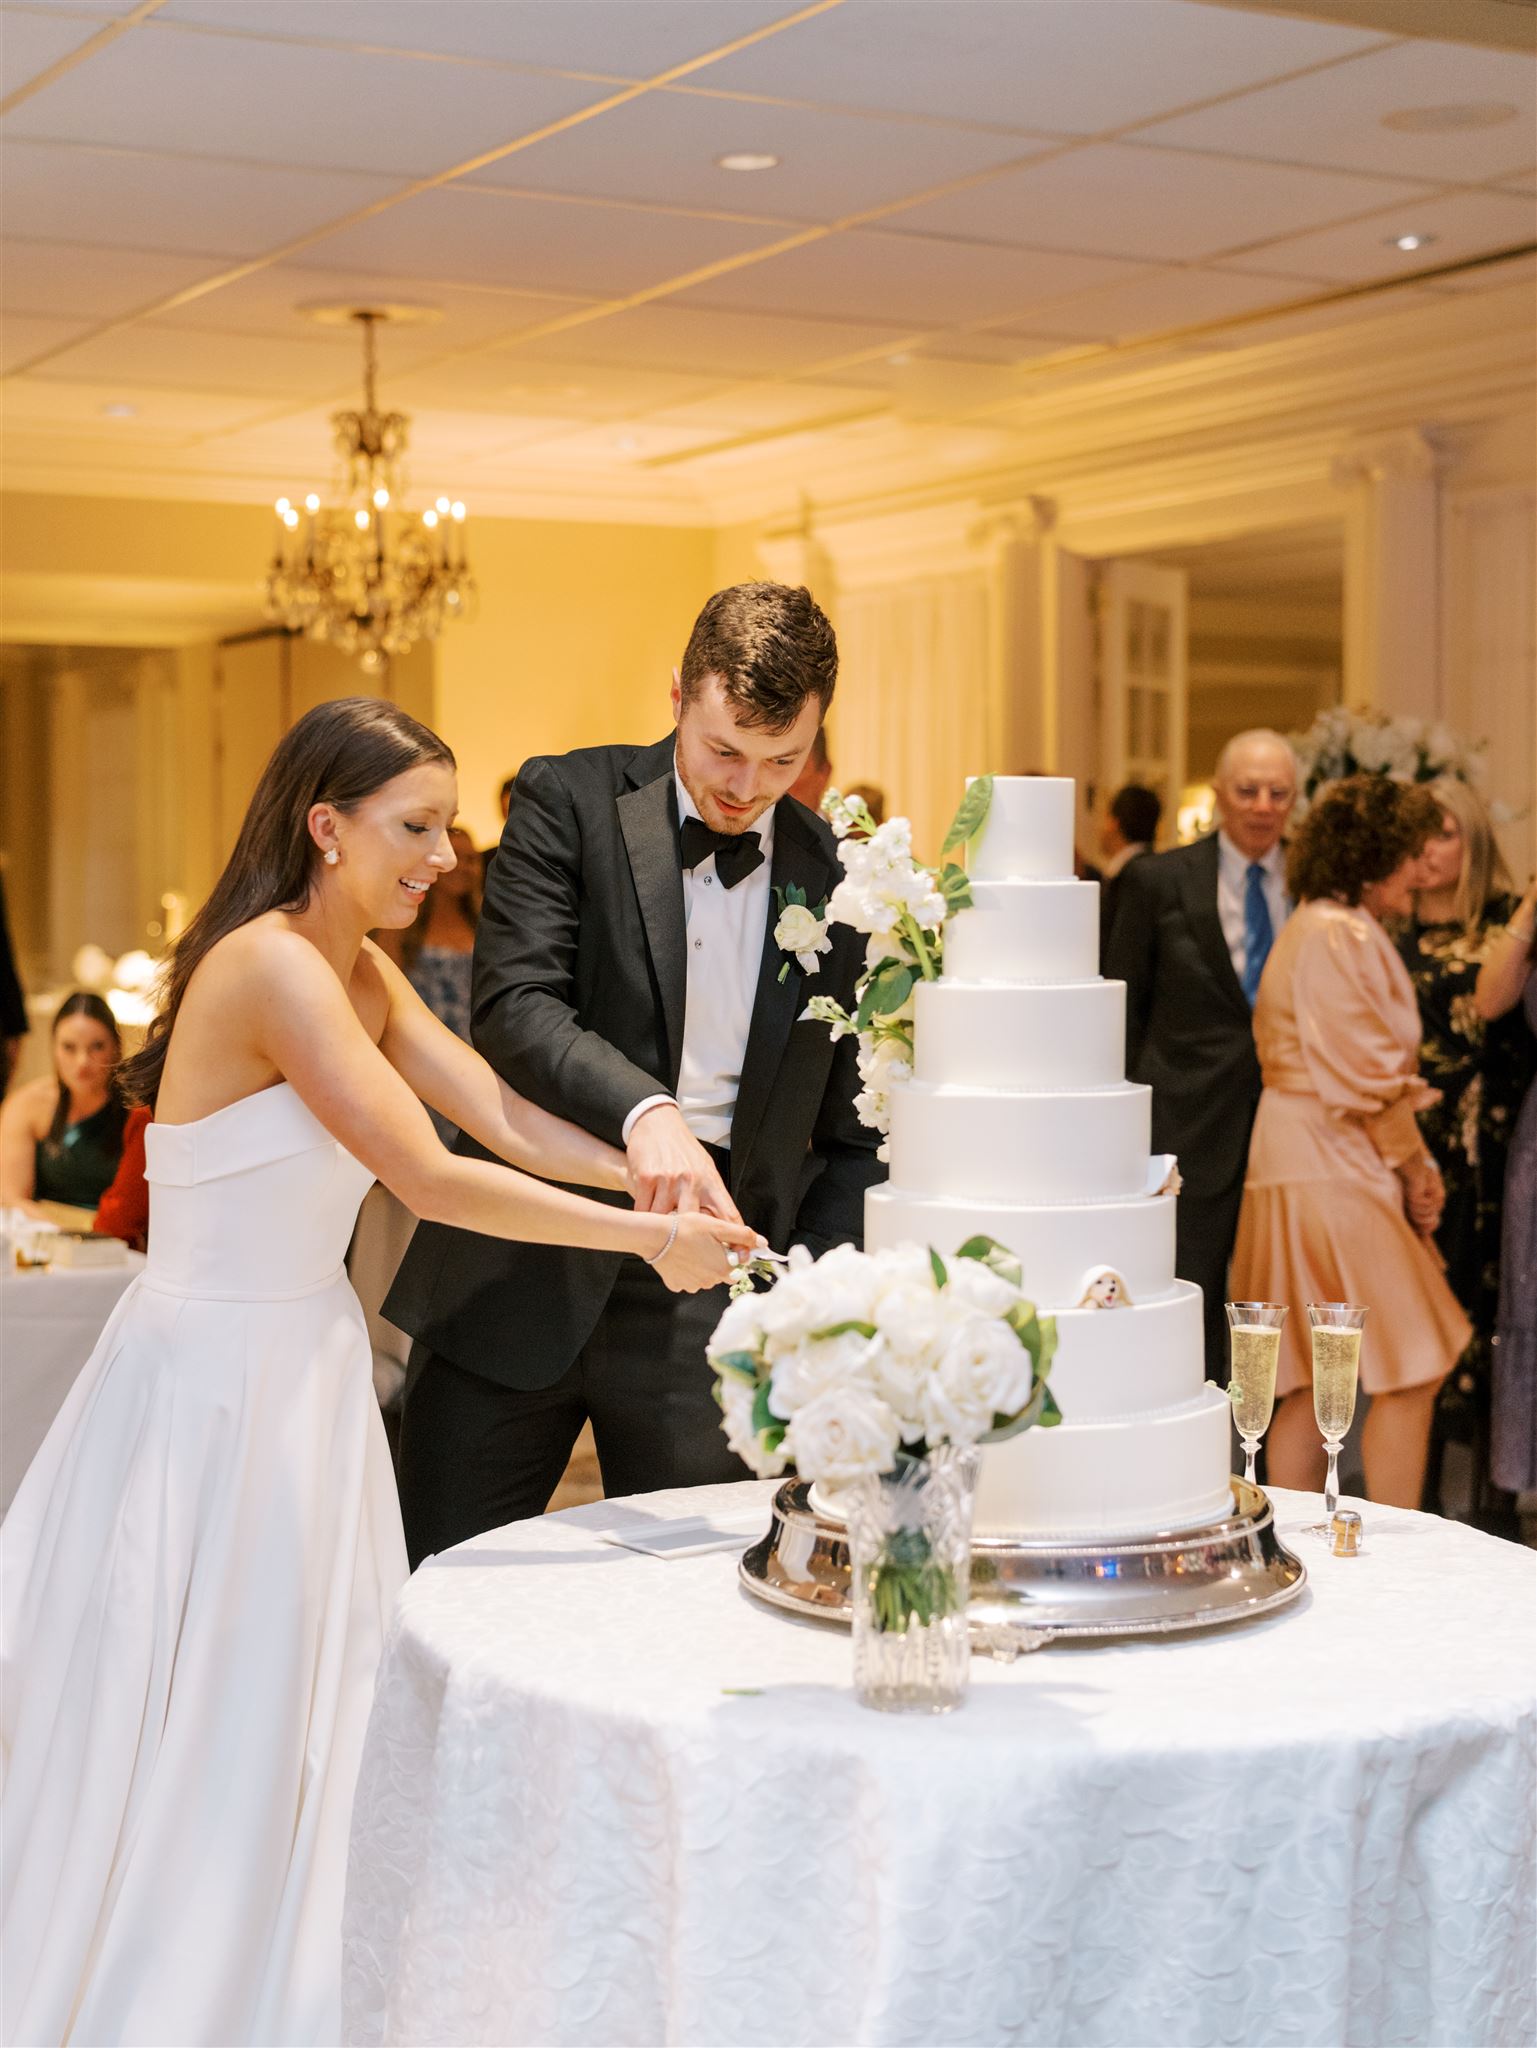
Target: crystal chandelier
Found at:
369, 576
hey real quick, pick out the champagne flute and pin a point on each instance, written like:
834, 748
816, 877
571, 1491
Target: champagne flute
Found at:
1336, 1331
1254, 1335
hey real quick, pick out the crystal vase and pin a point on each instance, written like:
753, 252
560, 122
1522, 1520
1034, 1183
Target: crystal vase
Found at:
910, 1549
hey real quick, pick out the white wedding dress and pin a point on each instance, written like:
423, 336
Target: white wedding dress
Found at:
195, 1580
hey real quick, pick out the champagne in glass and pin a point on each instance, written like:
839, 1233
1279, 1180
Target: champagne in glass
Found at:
1336, 1330
1254, 1335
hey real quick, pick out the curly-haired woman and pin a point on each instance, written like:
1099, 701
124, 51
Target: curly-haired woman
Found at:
1341, 1196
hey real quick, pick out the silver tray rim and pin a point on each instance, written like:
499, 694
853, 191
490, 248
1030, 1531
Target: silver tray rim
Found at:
993, 1627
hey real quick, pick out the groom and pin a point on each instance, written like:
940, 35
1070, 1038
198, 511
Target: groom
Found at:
627, 977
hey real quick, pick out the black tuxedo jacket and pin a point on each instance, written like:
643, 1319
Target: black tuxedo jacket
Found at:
1189, 1029
577, 1001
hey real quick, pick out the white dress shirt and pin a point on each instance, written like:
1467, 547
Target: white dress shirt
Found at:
725, 929
1233, 888
1117, 861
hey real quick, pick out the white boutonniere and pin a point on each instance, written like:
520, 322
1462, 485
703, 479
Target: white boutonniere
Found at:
801, 930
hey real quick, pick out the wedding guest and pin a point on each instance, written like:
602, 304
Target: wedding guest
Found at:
435, 953
13, 1006
504, 794
61, 1136
1127, 835
1463, 903
1192, 932
124, 1209
627, 976
1342, 1198
1509, 977
810, 786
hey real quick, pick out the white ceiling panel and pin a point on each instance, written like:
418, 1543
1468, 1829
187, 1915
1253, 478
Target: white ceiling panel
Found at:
162, 203
908, 279
43, 401
663, 148
1055, 65
1160, 300
29, 43
22, 338
1335, 116
106, 10
1520, 270
622, 444
1364, 313
1462, 223
562, 245
504, 383
765, 408
1116, 200
1526, 183
277, 103
267, 301
684, 337
177, 358
97, 284
615, 38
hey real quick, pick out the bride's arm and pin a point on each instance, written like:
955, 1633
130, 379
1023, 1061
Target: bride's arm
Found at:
442, 1070
302, 1021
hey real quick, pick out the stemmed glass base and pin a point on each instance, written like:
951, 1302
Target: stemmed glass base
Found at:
1251, 1446
1325, 1528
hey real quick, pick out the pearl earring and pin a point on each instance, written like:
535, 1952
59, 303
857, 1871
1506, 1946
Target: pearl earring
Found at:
331, 856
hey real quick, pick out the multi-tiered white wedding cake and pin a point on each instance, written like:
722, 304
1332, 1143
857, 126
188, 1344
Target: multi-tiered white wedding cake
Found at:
1019, 1123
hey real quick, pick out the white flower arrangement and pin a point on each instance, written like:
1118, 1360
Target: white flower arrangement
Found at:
1344, 742
801, 930
901, 907
856, 1363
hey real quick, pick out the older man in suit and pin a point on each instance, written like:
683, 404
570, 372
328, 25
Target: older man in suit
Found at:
1192, 931
627, 976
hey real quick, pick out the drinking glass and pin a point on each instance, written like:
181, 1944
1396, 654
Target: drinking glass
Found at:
1336, 1331
1254, 1336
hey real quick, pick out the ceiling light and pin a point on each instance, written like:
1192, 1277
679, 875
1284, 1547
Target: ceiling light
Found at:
627, 444
1408, 243
900, 360
747, 160
120, 409
369, 576
1443, 120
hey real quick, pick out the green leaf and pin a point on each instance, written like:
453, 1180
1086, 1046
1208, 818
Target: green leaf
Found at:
741, 1362
771, 1439
937, 1265
784, 971
763, 1417
794, 893
842, 1330
987, 1251
972, 815
892, 990
1048, 1328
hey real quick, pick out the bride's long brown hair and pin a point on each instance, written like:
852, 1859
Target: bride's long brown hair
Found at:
337, 754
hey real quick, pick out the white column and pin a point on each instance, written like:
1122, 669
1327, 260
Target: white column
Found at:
1017, 543
1393, 574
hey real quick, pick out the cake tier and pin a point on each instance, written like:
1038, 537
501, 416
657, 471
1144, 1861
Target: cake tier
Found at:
992, 1035
997, 1145
1025, 931
1055, 1246
1095, 1481
1029, 829
1117, 1363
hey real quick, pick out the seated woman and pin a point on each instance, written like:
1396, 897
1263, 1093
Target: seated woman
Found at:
1341, 1197
61, 1137
124, 1210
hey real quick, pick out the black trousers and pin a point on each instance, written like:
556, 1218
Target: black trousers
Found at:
475, 1454
1204, 1229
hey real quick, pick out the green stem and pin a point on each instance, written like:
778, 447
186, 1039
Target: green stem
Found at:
912, 931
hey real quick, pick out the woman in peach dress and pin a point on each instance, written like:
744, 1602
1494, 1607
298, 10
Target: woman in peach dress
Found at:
1341, 1196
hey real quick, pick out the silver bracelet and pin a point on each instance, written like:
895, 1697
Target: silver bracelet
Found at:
672, 1238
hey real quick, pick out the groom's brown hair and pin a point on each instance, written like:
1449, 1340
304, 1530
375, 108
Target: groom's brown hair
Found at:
771, 646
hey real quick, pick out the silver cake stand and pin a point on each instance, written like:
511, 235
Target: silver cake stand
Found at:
1026, 1595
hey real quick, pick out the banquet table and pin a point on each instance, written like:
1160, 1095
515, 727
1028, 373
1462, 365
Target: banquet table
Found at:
609, 1798
49, 1322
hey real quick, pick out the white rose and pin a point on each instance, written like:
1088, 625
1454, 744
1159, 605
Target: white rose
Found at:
981, 1287
985, 1372
741, 1437
843, 1435
740, 1327
801, 932
815, 1367
790, 1310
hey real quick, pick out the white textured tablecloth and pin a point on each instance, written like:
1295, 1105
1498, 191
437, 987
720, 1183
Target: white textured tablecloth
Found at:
1312, 1829
49, 1323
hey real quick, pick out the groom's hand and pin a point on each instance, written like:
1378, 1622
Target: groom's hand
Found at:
670, 1169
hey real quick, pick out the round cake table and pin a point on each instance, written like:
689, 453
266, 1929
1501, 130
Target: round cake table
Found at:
608, 1798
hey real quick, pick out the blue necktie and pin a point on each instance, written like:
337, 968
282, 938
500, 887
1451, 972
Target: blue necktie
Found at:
1258, 936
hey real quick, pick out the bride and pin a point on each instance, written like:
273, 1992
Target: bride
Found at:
197, 1572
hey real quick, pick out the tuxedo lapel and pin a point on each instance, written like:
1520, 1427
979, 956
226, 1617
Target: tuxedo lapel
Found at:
1198, 892
648, 818
798, 859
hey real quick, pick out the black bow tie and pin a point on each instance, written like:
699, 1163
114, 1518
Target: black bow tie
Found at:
736, 853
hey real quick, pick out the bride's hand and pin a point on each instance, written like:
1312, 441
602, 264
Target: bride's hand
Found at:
697, 1255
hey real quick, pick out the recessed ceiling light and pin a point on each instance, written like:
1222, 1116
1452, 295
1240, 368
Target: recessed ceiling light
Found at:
900, 359
1442, 120
627, 444
120, 409
1409, 242
747, 160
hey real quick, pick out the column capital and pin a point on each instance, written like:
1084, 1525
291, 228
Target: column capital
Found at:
1411, 455
1030, 518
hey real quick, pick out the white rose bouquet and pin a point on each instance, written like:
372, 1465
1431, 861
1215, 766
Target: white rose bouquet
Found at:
901, 907
859, 1365
1343, 742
